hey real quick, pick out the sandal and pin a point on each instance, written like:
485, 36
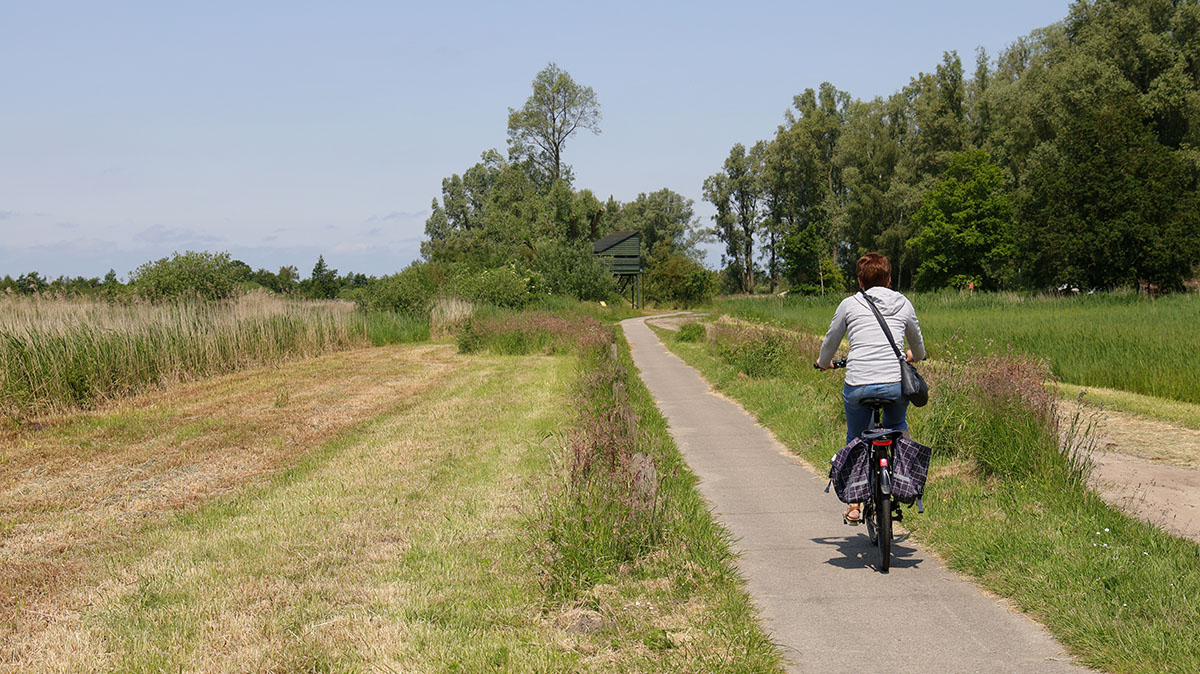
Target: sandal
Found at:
852, 516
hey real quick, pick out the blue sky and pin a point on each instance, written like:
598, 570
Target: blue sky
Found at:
280, 131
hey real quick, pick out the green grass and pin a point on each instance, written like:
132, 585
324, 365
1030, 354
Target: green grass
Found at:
597, 539
1112, 340
1006, 507
1170, 411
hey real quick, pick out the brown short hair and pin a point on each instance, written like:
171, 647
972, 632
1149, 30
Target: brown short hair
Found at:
873, 270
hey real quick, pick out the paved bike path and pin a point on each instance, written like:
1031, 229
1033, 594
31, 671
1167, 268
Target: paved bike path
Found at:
812, 577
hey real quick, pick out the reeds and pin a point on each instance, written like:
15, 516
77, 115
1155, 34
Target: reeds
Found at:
61, 353
448, 315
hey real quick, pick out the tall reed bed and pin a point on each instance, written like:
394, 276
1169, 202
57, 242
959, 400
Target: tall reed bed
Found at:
1110, 340
60, 353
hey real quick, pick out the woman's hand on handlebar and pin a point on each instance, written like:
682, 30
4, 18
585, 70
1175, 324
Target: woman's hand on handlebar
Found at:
832, 366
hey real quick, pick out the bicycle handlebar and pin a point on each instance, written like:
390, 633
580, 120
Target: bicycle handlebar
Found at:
833, 366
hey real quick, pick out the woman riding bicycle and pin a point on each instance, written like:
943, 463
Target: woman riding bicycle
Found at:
871, 367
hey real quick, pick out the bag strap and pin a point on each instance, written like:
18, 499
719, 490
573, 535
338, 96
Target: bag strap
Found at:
887, 333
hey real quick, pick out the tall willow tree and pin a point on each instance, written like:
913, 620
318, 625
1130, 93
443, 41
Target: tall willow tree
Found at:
557, 108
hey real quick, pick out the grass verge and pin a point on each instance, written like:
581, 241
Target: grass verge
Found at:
624, 525
1006, 507
1170, 411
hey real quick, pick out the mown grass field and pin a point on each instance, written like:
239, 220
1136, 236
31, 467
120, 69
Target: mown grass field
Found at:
1114, 341
1005, 504
379, 509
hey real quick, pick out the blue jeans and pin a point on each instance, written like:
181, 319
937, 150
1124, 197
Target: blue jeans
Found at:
858, 418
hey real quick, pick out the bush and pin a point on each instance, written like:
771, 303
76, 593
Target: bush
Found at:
572, 270
680, 281
409, 292
501, 287
691, 332
203, 275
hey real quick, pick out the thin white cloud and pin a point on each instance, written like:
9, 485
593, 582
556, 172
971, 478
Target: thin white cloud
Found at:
161, 234
347, 248
400, 215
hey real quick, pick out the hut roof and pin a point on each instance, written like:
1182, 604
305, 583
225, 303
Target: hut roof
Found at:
612, 240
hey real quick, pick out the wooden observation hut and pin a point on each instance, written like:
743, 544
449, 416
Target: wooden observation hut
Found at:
623, 252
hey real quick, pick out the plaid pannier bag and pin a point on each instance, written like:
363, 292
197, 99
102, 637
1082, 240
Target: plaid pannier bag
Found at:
850, 472
910, 468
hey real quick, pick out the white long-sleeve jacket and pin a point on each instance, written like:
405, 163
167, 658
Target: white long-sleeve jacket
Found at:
871, 359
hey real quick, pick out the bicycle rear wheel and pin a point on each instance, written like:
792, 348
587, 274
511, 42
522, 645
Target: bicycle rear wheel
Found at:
883, 518
868, 515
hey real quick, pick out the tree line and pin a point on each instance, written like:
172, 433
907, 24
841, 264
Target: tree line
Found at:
194, 275
1071, 159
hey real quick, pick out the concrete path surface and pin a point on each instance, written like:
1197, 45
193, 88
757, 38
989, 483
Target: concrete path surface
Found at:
812, 577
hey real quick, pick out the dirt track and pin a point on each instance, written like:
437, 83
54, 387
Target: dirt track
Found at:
1148, 468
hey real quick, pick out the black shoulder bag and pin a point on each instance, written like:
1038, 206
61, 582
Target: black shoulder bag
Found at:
912, 384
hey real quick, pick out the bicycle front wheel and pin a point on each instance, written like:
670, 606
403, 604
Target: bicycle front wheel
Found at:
883, 530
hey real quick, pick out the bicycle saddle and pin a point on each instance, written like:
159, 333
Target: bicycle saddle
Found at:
876, 403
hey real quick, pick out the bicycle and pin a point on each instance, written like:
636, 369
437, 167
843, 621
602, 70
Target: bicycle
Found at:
878, 510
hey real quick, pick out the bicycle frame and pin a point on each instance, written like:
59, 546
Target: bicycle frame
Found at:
877, 511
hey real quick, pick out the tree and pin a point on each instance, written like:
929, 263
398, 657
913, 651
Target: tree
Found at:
965, 225
31, 283
323, 284
557, 109
200, 275
795, 195
662, 217
735, 192
1108, 205
677, 279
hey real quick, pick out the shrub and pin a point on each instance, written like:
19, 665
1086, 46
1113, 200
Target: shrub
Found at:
202, 275
691, 332
680, 281
571, 269
408, 292
501, 287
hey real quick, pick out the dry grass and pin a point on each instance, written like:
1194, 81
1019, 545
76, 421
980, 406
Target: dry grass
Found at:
365, 511
448, 315
77, 489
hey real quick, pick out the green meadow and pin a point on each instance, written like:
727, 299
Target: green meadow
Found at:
1111, 340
